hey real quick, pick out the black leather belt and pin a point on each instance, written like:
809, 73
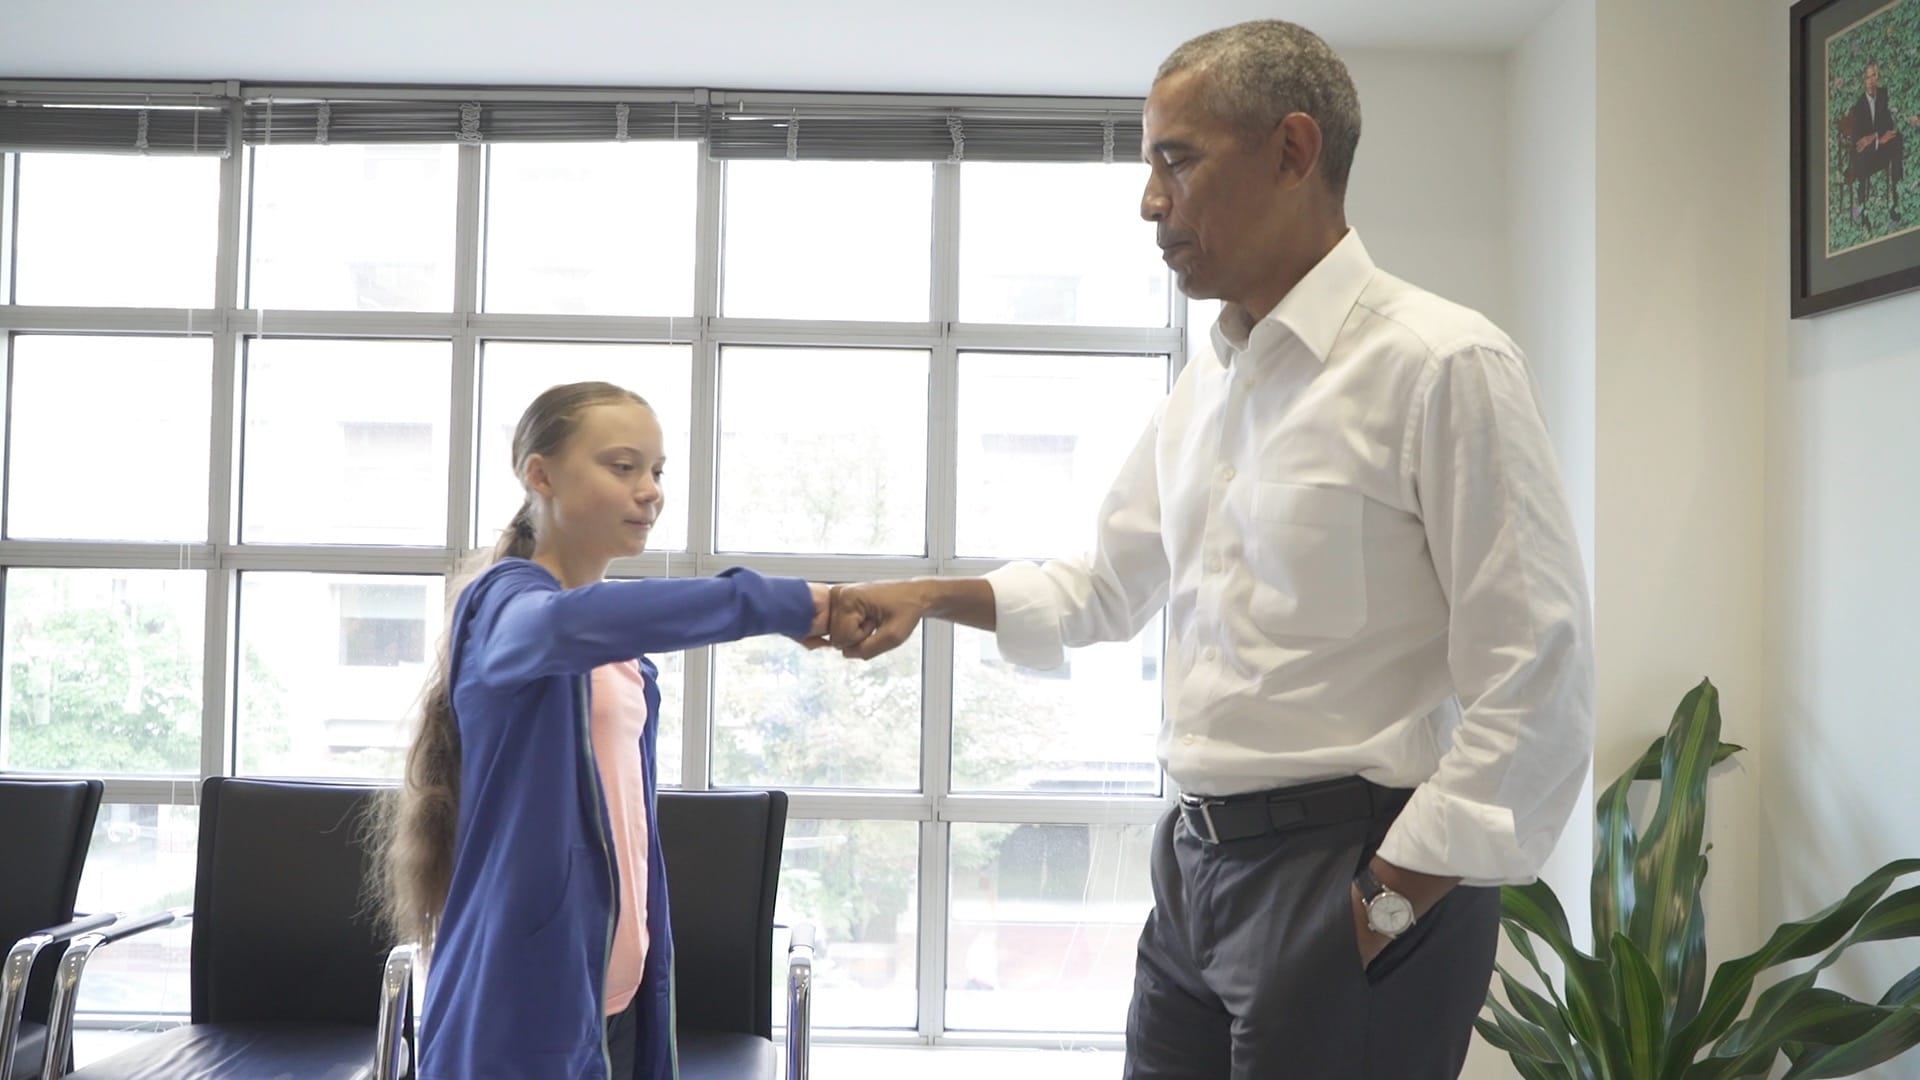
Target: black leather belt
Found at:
1328, 802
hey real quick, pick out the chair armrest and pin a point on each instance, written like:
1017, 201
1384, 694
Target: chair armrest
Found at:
19, 966
396, 1002
799, 1000
66, 986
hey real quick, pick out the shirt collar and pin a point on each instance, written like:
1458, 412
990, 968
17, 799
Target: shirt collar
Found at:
1313, 311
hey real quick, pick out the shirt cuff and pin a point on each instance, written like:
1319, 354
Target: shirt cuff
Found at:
1027, 631
1442, 834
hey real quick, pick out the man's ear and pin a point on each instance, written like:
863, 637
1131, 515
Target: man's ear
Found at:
1296, 145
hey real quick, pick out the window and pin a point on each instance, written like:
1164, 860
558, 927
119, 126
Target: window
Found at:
381, 625
352, 228
1058, 244
108, 230
89, 463
828, 240
103, 671
799, 474
591, 228
327, 460
332, 666
869, 361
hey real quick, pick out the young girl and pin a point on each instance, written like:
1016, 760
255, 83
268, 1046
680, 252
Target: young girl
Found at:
519, 844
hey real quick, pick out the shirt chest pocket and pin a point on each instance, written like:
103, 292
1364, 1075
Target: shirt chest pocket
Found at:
1306, 560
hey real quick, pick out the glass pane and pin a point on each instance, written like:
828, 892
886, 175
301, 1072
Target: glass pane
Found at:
857, 882
1041, 440
353, 227
785, 717
795, 478
117, 230
1044, 924
591, 228
1201, 315
153, 425
1058, 244
673, 710
514, 373
326, 462
1087, 727
141, 861
103, 670
332, 668
828, 240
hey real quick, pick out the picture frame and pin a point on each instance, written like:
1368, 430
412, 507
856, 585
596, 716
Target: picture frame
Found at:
1855, 151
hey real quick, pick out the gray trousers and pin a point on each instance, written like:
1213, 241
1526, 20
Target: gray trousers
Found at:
1249, 966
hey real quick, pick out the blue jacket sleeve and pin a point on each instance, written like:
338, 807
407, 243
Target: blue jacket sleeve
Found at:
518, 634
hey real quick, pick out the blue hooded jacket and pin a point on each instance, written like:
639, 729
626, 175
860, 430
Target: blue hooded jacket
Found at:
516, 987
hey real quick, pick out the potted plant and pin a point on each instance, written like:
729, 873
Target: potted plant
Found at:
1641, 1007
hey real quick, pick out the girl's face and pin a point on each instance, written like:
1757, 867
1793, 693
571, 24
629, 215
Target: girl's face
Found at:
602, 492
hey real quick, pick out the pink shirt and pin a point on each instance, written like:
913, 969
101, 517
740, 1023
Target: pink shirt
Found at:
619, 716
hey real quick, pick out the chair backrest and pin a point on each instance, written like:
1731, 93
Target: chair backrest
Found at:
281, 928
46, 827
723, 870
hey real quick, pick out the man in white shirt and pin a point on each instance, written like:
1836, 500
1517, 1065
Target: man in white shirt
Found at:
1379, 676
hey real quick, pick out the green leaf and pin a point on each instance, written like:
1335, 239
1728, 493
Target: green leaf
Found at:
1523, 944
1543, 1014
1732, 984
1613, 889
1815, 1017
1589, 989
1693, 971
1520, 1038
1667, 860
1614, 841
1907, 989
1642, 1007
1897, 916
1890, 1038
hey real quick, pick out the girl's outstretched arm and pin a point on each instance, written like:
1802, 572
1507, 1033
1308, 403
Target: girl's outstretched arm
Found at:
525, 626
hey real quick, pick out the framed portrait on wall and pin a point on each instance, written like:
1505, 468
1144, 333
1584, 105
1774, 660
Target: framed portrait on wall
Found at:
1855, 151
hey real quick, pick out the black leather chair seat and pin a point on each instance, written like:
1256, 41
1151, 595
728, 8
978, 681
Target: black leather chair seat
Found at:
243, 1052
714, 1055
29, 1049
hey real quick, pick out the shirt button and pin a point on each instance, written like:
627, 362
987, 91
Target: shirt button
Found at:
1188, 739
1209, 654
1213, 566
1226, 473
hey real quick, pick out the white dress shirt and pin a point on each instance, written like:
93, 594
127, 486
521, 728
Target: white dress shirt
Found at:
1352, 515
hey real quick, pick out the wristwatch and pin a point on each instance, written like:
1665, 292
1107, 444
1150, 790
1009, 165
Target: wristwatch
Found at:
1388, 913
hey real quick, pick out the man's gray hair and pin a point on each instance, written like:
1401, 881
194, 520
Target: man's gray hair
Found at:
1259, 72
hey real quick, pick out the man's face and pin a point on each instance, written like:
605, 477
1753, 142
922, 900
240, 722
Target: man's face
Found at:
1873, 79
1211, 190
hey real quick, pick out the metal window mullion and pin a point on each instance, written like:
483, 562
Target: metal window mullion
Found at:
935, 841
218, 716
696, 706
465, 389
702, 468
1120, 340
936, 747
105, 320
9, 213
817, 567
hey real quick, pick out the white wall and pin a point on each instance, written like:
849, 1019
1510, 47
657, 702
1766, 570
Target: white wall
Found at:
1428, 192
1551, 117
1685, 268
1843, 514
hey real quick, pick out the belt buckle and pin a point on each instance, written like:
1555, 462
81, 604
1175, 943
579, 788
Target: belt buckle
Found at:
1205, 806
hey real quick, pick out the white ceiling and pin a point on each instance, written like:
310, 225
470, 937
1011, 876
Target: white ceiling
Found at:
1099, 47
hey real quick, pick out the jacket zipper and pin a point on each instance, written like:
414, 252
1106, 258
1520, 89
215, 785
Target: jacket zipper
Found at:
606, 853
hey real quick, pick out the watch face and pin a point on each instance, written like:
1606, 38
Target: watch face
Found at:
1390, 914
